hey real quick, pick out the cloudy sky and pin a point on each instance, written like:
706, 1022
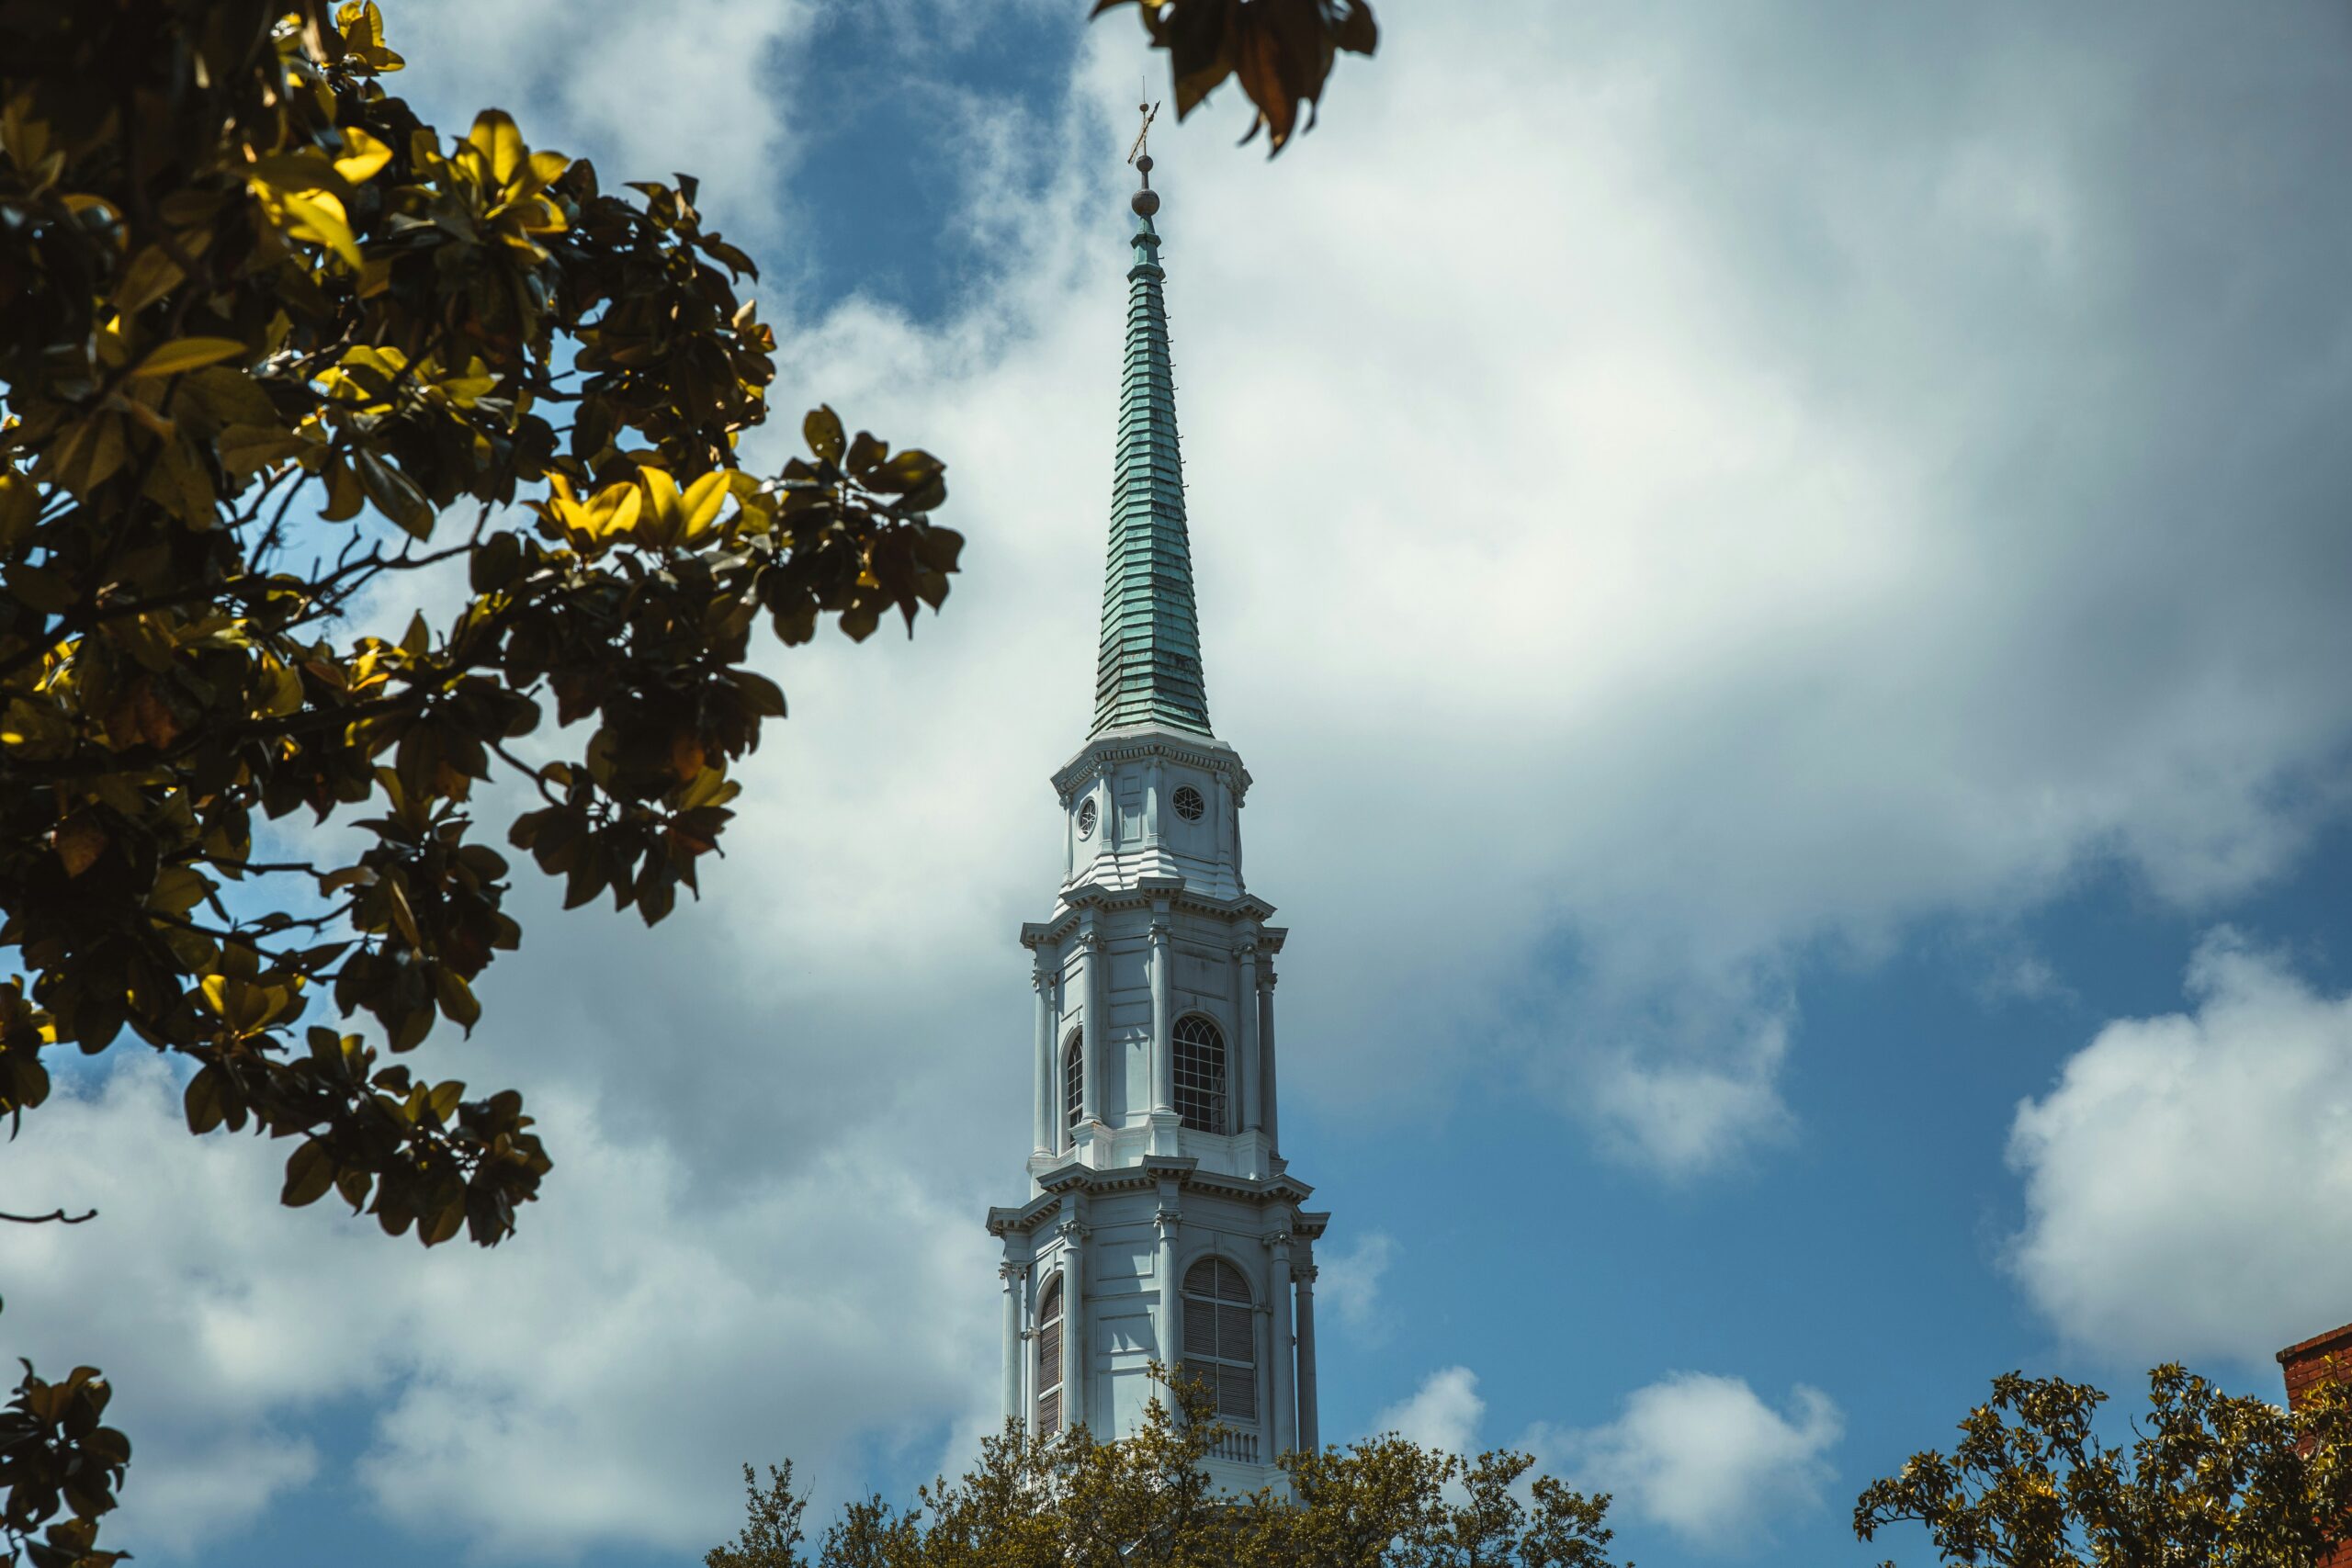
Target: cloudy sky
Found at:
1784, 575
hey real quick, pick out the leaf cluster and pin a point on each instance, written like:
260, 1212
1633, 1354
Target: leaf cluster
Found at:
1071, 1502
261, 332
57, 1455
270, 344
1280, 51
2209, 1478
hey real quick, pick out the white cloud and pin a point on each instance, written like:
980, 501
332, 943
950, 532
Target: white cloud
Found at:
2189, 1178
1698, 1455
1704, 1458
1710, 548
642, 90
1349, 1285
1710, 592
596, 1379
1443, 1413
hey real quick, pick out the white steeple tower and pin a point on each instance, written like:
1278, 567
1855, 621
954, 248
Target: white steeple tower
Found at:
1160, 1222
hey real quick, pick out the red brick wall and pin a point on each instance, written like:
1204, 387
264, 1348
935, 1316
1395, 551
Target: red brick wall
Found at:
2308, 1364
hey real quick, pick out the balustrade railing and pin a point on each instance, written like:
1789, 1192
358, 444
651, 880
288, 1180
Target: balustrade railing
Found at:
1240, 1447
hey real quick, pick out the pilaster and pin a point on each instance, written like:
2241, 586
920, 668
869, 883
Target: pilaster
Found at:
1281, 1348
1164, 1121
1267, 1078
1310, 1438
1093, 1043
1071, 1233
1010, 1274
1041, 978
1165, 1221
1247, 1070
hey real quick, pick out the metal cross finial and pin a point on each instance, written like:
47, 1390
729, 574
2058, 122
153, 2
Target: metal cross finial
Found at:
1148, 111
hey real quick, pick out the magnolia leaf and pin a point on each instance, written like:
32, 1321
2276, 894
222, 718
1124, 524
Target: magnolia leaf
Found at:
822, 431
188, 354
310, 1174
79, 843
457, 1000
319, 216
151, 274
394, 494
494, 134
362, 156
203, 1100
699, 507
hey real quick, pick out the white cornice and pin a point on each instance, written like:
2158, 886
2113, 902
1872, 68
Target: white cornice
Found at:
1141, 742
1148, 891
1065, 1182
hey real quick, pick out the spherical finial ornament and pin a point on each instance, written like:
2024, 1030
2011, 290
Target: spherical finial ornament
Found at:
1146, 202
1143, 165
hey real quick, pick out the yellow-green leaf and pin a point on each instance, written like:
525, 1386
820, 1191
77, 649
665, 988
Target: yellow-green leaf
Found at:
701, 504
362, 155
319, 216
498, 140
188, 353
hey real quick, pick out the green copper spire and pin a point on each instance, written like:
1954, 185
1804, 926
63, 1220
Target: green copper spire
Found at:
1149, 671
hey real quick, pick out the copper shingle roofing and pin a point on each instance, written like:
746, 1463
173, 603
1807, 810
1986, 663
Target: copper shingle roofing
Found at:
1149, 666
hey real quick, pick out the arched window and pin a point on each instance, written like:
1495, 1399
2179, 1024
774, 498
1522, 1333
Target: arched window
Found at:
1200, 1074
1049, 1359
1073, 1081
1221, 1337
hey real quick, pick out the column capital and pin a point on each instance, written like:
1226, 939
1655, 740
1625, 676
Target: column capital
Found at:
1304, 1273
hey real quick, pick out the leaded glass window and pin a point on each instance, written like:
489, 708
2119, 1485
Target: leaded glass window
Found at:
1073, 1081
1200, 1074
1221, 1337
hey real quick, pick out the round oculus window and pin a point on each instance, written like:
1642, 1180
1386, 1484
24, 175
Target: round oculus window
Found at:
1189, 804
1086, 820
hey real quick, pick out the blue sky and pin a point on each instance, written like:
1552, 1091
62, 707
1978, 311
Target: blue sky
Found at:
1781, 573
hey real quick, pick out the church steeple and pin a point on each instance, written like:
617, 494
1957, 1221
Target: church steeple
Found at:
1161, 1222
1149, 666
